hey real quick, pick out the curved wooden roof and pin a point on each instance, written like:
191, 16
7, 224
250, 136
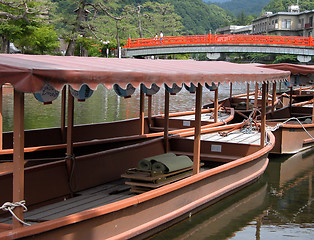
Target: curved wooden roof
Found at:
29, 73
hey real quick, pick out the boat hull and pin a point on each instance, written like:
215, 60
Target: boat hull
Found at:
292, 137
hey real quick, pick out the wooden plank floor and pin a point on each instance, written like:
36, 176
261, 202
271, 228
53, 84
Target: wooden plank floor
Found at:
233, 137
87, 199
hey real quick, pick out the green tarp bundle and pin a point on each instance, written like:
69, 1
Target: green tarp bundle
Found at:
165, 163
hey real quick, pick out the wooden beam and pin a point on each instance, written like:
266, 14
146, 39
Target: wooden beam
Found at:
256, 96
197, 133
247, 95
273, 98
263, 114
141, 117
230, 95
18, 156
290, 98
70, 122
1, 118
166, 121
149, 110
215, 105
63, 109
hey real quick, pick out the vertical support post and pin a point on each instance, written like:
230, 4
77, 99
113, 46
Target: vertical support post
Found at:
63, 108
273, 98
149, 110
247, 96
166, 124
1, 119
70, 121
141, 117
279, 87
256, 96
197, 131
18, 156
263, 114
215, 105
313, 111
290, 98
230, 95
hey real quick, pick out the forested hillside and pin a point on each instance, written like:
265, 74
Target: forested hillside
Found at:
36, 25
197, 17
249, 7
282, 5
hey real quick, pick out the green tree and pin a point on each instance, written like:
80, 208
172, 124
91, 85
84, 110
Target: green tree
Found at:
16, 16
44, 39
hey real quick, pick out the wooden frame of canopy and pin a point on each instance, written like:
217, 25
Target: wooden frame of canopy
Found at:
37, 69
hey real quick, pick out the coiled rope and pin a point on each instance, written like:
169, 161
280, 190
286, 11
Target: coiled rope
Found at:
8, 206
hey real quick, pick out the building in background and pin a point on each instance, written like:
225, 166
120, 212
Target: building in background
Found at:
291, 23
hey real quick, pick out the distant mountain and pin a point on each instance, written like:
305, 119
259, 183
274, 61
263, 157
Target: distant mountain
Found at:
238, 6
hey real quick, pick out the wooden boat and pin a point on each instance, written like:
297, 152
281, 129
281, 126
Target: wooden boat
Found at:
297, 95
293, 125
83, 196
293, 128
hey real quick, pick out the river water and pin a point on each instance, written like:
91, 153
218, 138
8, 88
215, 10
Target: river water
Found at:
278, 206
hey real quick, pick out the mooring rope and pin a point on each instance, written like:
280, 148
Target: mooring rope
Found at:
8, 206
71, 171
277, 126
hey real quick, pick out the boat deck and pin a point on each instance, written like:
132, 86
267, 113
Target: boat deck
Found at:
113, 191
83, 200
233, 137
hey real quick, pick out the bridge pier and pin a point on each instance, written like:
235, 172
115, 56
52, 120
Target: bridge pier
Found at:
215, 56
304, 59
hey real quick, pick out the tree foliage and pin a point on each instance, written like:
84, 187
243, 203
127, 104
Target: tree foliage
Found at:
248, 6
282, 5
21, 19
90, 24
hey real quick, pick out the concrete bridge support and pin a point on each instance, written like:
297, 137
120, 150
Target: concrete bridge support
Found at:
304, 59
215, 56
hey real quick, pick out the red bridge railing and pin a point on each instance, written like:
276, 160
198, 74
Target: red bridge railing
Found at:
220, 39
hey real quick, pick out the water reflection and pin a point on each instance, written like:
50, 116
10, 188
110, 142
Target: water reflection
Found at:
277, 206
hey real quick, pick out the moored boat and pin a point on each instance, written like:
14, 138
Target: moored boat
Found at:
88, 196
293, 125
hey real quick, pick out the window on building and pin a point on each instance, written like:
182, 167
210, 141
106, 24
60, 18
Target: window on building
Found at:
311, 21
286, 23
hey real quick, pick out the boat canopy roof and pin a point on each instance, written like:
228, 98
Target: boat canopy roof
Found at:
30, 73
295, 69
